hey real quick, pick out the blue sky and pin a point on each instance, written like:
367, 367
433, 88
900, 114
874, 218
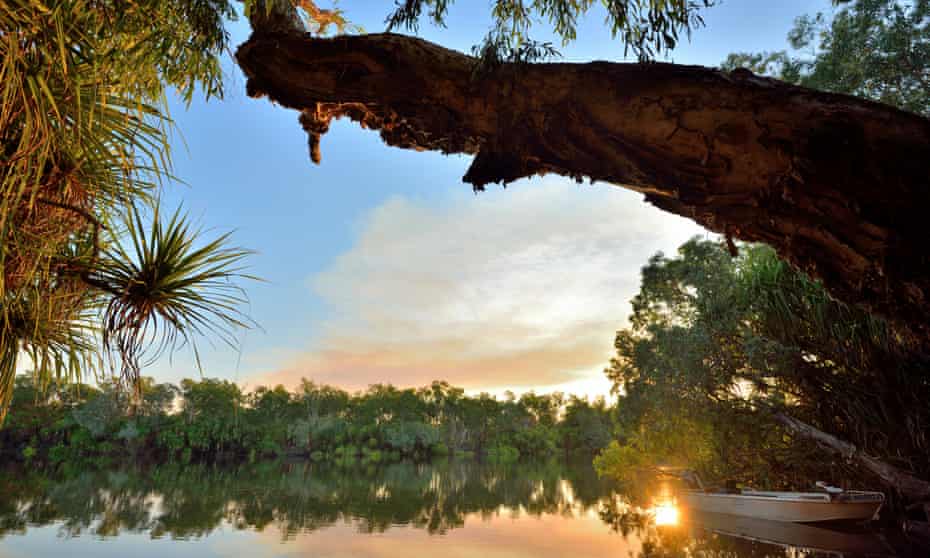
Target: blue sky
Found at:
382, 266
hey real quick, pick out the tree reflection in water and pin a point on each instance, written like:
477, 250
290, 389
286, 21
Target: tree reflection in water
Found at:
188, 501
286, 499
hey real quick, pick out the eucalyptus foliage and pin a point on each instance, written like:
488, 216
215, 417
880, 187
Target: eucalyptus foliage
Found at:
645, 26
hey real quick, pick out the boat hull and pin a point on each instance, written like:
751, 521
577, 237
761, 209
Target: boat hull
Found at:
777, 509
793, 535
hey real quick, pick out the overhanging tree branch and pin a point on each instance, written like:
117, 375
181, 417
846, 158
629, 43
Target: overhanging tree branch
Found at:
911, 487
838, 185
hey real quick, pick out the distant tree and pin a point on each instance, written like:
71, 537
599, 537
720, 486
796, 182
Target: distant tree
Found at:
586, 426
322, 399
876, 49
210, 398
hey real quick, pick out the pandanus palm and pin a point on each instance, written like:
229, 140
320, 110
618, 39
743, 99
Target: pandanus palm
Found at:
86, 284
165, 289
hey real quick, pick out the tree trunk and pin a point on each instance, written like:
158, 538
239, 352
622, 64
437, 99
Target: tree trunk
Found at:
910, 487
838, 185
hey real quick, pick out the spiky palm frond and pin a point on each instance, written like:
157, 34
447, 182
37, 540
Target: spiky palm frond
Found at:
167, 288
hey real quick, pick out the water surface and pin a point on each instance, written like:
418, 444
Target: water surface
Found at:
450, 509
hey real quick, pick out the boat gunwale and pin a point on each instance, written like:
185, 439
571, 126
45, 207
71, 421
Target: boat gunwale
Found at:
821, 498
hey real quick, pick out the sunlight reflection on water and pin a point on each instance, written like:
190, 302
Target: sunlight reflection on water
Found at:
664, 510
665, 514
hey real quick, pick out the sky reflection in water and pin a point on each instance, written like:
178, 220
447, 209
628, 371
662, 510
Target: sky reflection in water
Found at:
449, 509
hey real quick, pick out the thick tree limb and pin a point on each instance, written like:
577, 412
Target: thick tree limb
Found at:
909, 486
838, 185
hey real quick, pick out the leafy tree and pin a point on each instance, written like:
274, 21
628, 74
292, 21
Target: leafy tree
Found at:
877, 49
585, 426
102, 412
210, 398
716, 344
409, 437
544, 409
322, 399
156, 399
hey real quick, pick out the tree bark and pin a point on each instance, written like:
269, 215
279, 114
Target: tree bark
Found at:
838, 185
912, 488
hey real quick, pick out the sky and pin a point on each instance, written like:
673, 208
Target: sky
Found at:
381, 266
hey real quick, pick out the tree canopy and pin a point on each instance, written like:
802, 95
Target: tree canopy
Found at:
645, 26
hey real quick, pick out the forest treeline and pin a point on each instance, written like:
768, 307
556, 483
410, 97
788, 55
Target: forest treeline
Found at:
212, 418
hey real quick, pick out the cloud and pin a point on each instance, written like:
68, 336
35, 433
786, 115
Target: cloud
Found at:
522, 288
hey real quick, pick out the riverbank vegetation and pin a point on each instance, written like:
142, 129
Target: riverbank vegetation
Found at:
215, 419
721, 349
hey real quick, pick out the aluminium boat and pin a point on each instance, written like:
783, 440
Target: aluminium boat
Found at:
831, 504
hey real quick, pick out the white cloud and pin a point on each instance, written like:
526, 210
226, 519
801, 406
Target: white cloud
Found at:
522, 288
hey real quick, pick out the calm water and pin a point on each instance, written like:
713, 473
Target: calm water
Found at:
448, 509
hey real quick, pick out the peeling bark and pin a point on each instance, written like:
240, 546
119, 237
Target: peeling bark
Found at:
912, 488
838, 185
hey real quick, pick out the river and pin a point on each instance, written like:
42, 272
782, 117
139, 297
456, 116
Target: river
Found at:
449, 509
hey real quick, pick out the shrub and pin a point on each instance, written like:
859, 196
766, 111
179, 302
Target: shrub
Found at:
618, 461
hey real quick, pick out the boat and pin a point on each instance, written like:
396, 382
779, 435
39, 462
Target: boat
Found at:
830, 504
